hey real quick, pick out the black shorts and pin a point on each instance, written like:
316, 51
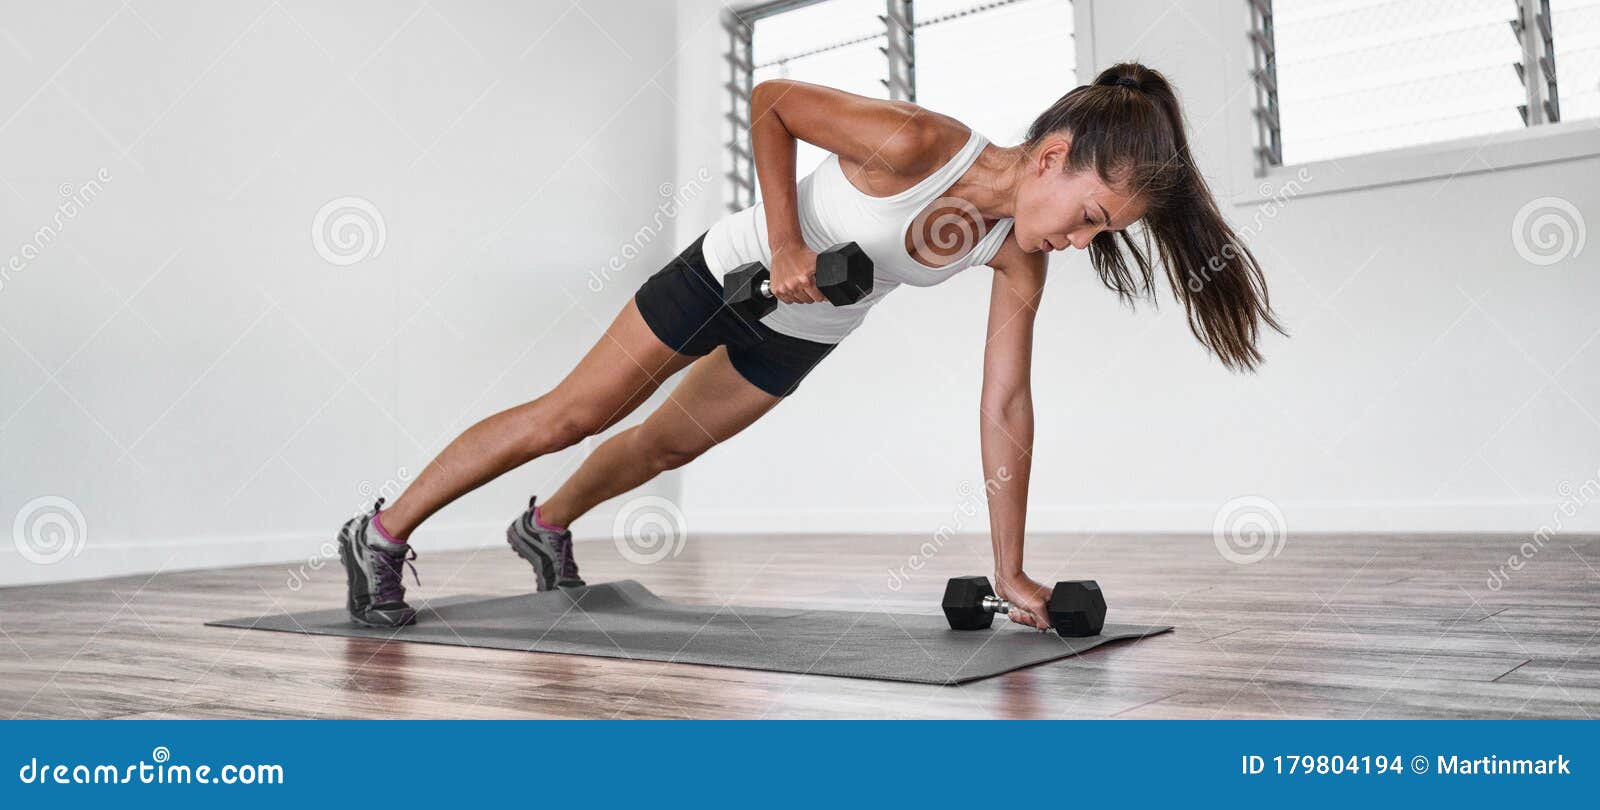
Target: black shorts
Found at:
683, 305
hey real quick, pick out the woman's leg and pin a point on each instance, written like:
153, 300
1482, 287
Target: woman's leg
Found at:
711, 404
619, 373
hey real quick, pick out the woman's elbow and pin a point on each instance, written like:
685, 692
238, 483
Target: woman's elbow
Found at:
764, 93
1008, 405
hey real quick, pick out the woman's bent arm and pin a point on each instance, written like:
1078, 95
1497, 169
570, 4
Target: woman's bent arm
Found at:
878, 143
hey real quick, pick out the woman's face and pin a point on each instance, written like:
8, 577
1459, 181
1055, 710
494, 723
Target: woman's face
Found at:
1058, 208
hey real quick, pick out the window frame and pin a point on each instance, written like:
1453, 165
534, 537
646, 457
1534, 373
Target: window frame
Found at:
1539, 141
899, 71
739, 23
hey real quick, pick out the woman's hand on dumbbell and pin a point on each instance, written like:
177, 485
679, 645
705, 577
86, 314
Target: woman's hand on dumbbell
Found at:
794, 275
1029, 599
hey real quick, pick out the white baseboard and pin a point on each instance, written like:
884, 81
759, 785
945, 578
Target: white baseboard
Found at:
302, 554
1362, 518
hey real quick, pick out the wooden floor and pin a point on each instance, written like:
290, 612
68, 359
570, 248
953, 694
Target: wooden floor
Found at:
1334, 626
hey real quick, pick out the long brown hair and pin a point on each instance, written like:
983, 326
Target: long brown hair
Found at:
1128, 127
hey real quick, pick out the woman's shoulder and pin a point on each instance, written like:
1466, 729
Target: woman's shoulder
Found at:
922, 143
1011, 258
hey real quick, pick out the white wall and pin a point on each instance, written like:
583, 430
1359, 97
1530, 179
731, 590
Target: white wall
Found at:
180, 366
1434, 381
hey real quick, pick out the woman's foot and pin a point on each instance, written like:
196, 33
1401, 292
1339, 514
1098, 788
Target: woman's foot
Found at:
547, 548
374, 567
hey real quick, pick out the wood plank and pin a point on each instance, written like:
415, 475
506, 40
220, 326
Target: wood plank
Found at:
1335, 626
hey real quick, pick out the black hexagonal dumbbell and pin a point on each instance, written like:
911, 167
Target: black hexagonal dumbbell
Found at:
1076, 607
844, 275
970, 604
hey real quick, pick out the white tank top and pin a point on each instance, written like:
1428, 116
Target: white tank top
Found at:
834, 211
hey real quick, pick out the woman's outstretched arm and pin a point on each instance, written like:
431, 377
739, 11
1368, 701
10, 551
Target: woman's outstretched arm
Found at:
1006, 425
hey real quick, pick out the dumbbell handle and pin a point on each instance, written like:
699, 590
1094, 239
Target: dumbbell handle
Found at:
765, 289
995, 604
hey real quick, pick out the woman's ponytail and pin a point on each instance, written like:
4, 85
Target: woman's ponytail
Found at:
1129, 128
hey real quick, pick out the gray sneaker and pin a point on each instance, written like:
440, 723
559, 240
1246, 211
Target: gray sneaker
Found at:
547, 550
374, 572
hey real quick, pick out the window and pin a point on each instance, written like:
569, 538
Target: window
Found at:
994, 65
996, 70
1576, 24
1345, 77
833, 43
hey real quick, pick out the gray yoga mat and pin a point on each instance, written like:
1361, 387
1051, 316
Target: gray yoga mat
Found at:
625, 620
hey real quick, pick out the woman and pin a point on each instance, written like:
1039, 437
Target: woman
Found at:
926, 198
